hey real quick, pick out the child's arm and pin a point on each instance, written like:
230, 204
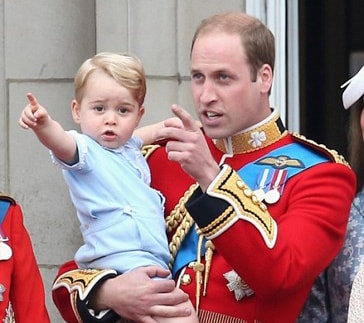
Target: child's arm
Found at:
149, 133
49, 132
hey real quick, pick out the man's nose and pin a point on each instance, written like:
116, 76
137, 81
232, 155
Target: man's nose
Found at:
208, 93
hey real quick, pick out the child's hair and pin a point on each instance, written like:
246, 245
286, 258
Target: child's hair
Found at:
124, 68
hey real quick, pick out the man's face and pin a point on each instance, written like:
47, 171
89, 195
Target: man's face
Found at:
225, 98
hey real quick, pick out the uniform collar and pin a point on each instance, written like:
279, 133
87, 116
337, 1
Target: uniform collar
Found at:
256, 137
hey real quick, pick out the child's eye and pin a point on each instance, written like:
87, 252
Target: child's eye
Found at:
123, 110
99, 109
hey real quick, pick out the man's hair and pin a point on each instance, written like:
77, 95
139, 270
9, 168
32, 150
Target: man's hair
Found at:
126, 69
256, 39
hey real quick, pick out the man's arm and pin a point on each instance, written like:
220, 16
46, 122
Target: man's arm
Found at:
101, 296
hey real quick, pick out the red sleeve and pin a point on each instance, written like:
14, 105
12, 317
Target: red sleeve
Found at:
27, 290
61, 296
311, 222
71, 291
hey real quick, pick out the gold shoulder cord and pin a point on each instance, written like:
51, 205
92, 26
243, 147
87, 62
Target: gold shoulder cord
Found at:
179, 215
198, 268
181, 218
209, 247
333, 153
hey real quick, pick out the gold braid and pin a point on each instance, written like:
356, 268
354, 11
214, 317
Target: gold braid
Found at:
179, 217
334, 155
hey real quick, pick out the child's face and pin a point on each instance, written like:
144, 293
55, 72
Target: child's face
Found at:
108, 112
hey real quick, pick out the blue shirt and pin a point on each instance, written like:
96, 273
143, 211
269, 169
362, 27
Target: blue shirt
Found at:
121, 216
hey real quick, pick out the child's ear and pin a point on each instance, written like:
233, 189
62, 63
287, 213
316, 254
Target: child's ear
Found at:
140, 114
75, 107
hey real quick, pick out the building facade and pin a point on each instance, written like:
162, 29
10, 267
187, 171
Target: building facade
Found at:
44, 42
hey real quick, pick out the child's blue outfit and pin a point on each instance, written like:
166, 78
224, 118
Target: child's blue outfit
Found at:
121, 216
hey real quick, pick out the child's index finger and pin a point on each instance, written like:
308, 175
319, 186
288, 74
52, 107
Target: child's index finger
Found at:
32, 99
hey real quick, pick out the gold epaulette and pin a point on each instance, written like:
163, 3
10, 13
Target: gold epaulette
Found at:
81, 280
330, 153
147, 150
5, 197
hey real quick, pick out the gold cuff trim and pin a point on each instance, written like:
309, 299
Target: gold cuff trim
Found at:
81, 280
147, 150
215, 226
243, 205
208, 317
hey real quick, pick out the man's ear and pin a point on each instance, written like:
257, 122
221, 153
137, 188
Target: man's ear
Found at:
265, 76
75, 107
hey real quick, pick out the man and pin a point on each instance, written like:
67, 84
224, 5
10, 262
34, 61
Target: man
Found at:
22, 296
267, 215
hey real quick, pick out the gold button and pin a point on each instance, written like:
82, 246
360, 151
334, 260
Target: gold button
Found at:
186, 279
240, 184
247, 192
255, 199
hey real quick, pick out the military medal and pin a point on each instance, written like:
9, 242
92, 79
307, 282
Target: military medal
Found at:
237, 286
5, 250
2, 290
274, 194
262, 179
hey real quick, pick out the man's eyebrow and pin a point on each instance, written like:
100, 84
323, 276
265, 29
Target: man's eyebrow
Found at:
194, 70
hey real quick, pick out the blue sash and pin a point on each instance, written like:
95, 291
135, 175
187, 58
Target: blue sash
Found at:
304, 157
4, 206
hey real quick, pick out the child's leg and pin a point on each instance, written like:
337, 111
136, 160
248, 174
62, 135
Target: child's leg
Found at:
186, 319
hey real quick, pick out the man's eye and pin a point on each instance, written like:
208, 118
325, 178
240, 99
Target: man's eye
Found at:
123, 110
197, 76
223, 77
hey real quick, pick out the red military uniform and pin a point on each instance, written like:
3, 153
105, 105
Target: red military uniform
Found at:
251, 257
22, 297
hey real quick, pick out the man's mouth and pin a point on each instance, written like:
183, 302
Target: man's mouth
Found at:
211, 114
